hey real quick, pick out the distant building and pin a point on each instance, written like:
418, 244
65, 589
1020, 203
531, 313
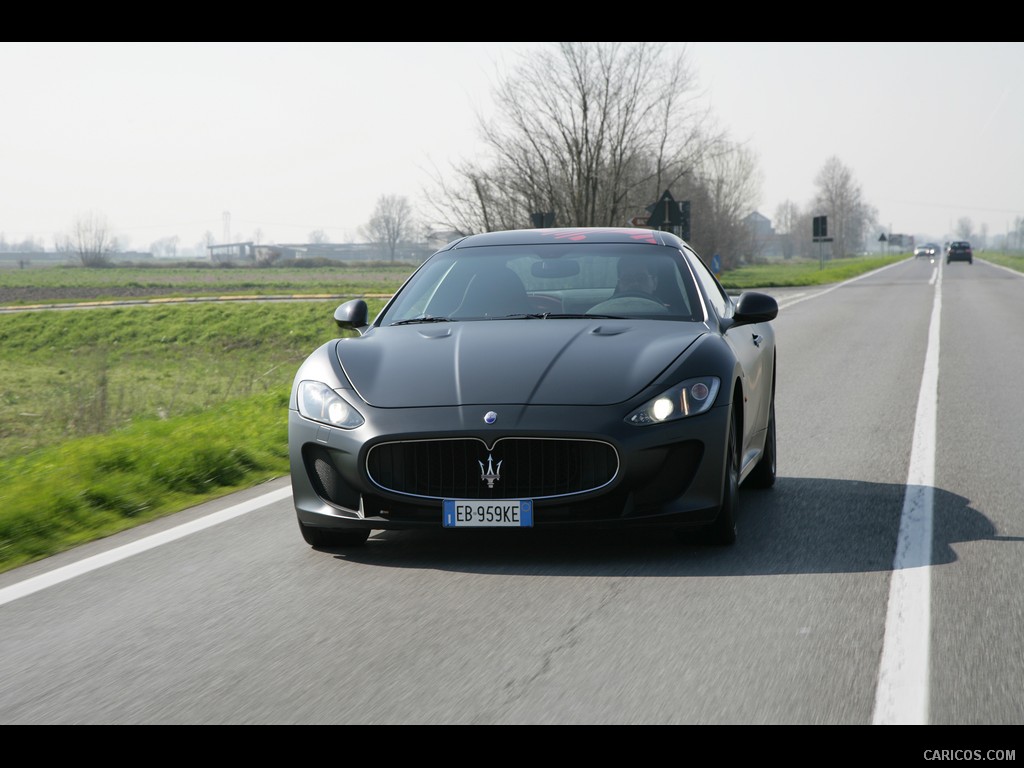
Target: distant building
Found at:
764, 242
277, 253
760, 226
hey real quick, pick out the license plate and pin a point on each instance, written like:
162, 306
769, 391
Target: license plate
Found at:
493, 513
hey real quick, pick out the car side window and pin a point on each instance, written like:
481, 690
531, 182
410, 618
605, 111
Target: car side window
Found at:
712, 288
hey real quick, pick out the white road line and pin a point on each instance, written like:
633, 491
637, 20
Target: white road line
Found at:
901, 697
796, 298
37, 583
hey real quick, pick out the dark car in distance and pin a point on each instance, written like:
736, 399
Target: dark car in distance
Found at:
960, 250
547, 378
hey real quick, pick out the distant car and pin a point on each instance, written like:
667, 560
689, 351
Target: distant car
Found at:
926, 250
525, 379
960, 250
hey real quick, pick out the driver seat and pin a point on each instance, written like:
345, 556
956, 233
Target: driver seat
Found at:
493, 293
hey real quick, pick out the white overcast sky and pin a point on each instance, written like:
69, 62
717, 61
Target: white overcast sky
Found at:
165, 139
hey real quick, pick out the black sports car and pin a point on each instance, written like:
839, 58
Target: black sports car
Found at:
539, 378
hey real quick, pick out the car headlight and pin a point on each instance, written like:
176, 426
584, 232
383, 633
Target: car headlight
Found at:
319, 402
689, 398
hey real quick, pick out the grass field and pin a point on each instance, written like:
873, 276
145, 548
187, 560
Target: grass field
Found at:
113, 416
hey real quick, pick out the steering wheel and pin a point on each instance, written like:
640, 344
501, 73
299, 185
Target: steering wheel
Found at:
633, 295
630, 303
541, 303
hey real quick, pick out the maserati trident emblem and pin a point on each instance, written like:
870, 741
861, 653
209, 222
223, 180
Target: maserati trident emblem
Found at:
490, 417
491, 474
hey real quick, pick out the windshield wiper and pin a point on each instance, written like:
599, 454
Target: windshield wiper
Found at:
515, 316
426, 319
586, 316
558, 316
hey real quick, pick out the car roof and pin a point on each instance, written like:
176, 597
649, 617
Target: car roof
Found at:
567, 236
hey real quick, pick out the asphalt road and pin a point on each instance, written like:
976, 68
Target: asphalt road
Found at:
879, 581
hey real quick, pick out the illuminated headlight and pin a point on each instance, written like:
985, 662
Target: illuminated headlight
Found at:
321, 403
689, 398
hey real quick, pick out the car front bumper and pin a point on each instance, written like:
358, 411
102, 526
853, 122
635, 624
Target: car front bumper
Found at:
663, 474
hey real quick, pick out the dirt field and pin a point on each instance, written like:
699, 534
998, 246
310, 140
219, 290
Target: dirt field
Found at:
49, 295
18, 288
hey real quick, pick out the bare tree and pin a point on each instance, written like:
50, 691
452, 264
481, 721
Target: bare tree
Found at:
165, 247
591, 131
91, 240
28, 245
318, 236
1015, 236
964, 228
266, 255
205, 245
870, 227
725, 189
787, 217
840, 198
390, 224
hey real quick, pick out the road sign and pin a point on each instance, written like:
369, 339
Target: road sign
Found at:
820, 227
543, 219
716, 264
671, 215
638, 221
665, 212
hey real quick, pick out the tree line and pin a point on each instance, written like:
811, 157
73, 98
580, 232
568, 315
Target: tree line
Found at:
594, 133
590, 134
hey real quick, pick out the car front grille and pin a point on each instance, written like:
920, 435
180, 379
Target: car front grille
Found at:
515, 468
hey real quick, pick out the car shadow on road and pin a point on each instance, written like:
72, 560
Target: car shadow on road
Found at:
802, 525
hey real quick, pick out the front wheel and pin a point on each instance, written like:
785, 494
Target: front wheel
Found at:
723, 530
763, 474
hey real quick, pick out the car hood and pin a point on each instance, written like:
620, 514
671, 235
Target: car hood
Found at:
538, 362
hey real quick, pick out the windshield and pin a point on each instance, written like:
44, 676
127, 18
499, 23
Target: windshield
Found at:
548, 281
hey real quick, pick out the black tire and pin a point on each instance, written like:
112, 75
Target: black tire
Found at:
722, 532
328, 537
763, 475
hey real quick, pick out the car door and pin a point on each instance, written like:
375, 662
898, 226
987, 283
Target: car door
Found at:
753, 346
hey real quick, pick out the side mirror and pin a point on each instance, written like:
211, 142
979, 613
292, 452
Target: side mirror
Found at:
352, 315
754, 307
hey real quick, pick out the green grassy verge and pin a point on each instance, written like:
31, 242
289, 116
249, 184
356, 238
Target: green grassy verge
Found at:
112, 417
87, 488
1013, 261
84, 372
802, 272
